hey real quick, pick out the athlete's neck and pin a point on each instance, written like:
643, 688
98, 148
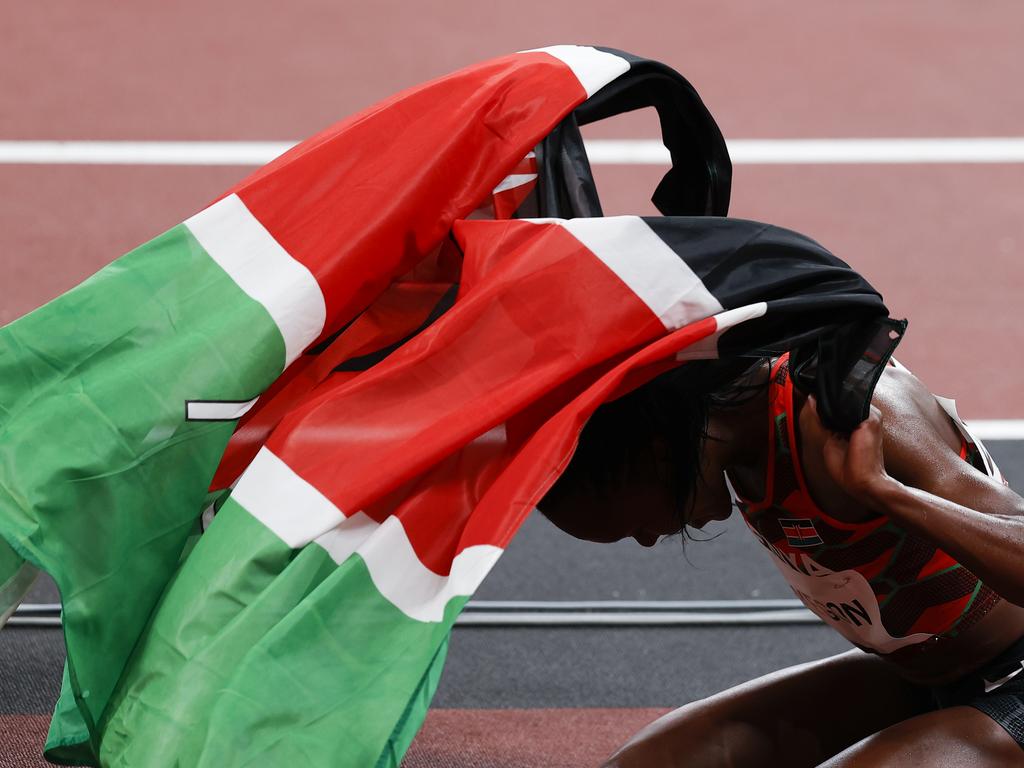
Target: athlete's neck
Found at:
741, 429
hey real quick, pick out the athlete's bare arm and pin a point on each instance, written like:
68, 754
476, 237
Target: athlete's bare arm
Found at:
899, 463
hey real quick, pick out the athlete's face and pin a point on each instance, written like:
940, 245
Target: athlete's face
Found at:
643, 511
644, 507
712, 500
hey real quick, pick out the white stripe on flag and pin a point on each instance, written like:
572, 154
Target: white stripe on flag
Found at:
707, 348
348, 536
513, 181
409, 585
651, 269
251, 256
397, 571
593, 68
289, 506
297, 513
217, 410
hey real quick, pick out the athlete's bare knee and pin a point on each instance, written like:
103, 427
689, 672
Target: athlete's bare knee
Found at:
695, 736
776, 719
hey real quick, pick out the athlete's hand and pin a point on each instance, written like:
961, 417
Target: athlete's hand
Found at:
856, 461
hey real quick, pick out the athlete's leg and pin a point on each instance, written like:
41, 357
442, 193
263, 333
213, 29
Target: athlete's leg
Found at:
954, 737
800, 716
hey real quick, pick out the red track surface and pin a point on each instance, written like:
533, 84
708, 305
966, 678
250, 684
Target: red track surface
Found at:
450, 738
942, 243
523, 738
234, 70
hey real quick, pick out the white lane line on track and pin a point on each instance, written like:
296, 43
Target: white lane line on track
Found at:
825, 151
601, 151
997, 429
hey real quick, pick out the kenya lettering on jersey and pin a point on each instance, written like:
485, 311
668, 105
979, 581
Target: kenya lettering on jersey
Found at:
881, 586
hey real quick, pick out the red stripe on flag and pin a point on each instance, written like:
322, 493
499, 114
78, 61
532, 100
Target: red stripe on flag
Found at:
545, 453
395, 314
526, 165
391, 194
507, 201
389, 442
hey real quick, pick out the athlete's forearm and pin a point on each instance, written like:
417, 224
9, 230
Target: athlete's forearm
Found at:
990, 545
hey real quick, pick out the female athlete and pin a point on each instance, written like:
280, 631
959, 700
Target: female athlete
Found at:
902, 536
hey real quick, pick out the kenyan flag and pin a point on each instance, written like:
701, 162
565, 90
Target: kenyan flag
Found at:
117, 401
372, 389
105, 462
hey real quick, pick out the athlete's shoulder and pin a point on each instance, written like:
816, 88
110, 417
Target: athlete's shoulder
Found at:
908, 404
918, 435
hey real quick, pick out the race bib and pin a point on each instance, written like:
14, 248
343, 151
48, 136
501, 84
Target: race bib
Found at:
842, 599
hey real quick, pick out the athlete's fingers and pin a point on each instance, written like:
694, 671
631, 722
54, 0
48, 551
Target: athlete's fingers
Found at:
855, 462
835, 448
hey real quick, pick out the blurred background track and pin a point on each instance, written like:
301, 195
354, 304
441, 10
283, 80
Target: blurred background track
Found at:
943, 243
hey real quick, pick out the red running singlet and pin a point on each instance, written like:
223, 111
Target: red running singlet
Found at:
880, 586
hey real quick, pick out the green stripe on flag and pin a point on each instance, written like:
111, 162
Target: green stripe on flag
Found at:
16, 576
68, 730
415, 712
264, 655
101, 477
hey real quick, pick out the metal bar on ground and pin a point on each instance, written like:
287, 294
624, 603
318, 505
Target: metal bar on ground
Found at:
26, 609
628, 605
33, 621
37, 609
634, 619
579, 613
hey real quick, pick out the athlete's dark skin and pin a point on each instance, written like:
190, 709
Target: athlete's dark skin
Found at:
856, 709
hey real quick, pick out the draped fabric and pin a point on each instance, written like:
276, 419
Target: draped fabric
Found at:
357, 372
